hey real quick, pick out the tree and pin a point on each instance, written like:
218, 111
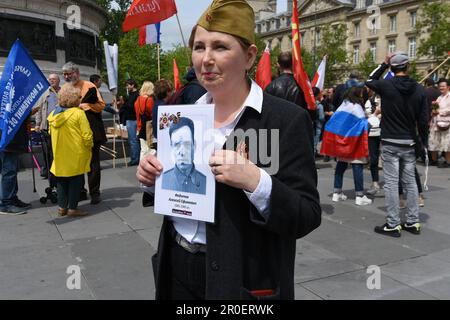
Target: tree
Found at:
183, 57
333, 45
435, 20
413, 72
140, 62
366, 66
112, 32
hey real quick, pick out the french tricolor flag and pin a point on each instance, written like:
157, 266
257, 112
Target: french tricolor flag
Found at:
346, 133
149, 34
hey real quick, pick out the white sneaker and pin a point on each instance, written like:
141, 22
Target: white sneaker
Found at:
362, 201
339, 197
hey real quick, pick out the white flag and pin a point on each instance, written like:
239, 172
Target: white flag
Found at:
112, 64
319, 78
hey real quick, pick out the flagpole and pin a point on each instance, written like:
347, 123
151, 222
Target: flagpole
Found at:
159, 62
181, 31
448, 58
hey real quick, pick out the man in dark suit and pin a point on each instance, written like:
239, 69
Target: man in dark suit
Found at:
183, 177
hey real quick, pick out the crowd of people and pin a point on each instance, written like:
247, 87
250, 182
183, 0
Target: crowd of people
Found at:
258, 216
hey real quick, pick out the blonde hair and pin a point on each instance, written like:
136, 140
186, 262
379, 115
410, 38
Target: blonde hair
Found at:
69, 96
147, 89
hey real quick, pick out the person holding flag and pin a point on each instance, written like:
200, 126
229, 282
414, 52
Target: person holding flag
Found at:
346, 137
249, 252
21, 85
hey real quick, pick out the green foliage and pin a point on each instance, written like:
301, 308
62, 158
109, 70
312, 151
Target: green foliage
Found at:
139, 62
366, 66
435, 20
413, 72
333, 45
112, 32
182, 55
308, 64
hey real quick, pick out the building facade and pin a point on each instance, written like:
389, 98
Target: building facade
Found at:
380, 26
51, 33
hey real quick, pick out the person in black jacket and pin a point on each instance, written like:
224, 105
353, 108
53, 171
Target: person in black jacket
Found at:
9, 166
249, 251
404, 111
285, 86
341, 89
193, 90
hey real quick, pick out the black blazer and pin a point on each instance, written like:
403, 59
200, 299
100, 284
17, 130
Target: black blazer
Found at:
245, 252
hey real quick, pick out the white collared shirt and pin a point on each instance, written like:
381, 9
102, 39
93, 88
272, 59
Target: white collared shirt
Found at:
195, 231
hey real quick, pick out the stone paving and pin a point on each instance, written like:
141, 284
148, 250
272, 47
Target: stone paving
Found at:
113, 245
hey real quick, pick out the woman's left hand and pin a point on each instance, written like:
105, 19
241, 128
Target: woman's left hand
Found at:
231, 168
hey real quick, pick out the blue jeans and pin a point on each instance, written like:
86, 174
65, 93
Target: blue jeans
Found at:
358, 177
133, 140
9, 162
317, 133
400, 162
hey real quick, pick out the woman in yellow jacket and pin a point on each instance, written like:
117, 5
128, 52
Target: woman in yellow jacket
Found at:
72, 149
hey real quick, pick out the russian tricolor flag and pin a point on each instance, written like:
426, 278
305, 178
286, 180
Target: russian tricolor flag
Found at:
149, 34
346, 133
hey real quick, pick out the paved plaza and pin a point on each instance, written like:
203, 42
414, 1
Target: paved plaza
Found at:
113, 245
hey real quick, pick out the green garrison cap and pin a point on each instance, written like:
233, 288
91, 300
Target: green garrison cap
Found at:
234, 17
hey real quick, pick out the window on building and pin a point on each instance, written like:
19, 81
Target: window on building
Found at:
357, 29
318, 36
373, 51
391, 46
267, 26
288, 22
356, 54
412, 47
360, 4
302, 38
393, 24
278, 24
413, 18
258, 26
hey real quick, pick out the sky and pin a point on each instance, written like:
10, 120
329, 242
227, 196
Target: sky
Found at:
189, 11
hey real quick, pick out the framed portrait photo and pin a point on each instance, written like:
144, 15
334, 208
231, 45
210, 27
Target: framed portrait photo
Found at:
186, 187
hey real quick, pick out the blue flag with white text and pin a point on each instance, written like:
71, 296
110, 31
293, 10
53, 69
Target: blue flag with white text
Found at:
21, 85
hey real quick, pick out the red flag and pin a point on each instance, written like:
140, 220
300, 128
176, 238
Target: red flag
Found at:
143, 12
264, 70
299, 71
176, 76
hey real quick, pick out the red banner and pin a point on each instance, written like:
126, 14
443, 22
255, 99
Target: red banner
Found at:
143, 12
176, 76
264, 70
299, 71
